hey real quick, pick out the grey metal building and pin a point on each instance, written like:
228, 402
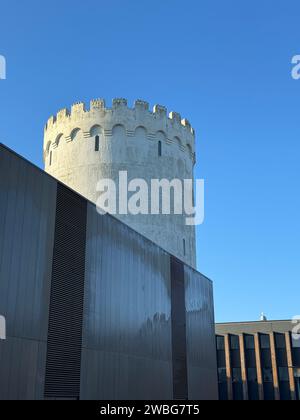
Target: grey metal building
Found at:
93, 309
258, 360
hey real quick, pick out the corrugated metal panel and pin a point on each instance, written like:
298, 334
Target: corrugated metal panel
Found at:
27, 217
127, 346
67, 292
201, 343
179, 357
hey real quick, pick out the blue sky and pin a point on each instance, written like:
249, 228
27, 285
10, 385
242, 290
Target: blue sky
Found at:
226, 66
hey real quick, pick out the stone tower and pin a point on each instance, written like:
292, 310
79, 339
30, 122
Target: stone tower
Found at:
82, 146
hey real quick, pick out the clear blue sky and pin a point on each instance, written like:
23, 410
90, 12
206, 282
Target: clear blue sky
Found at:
226, 66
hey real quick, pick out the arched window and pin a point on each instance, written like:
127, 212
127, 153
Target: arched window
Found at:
161, 137
96, 130
58, 139
47, 151
140, 133
159, 148
178, 141
75, 134
189, 149
97, 143
119, 132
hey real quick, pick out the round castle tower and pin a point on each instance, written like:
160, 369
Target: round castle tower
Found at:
83, 146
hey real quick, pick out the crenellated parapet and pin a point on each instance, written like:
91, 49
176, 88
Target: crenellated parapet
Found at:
119, 105
65, 122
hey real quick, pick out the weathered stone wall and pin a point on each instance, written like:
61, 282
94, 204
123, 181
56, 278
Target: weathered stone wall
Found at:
129, 141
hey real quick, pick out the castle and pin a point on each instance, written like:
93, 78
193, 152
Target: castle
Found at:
83, 146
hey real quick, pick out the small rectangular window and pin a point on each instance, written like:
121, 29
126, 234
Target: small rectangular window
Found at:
265, 341
97, 144
222, 375
249, 342
267, 375
234, 342
220, 342
236, 375
283, 374
252, 375
159, 148
280, 341
184, 247
50, 162
296, 341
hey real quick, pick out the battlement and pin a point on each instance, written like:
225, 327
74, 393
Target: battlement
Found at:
97, 104
119, 106
78, 108
139, 104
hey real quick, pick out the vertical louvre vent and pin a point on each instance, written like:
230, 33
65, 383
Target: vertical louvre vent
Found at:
180, 381
67, 293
